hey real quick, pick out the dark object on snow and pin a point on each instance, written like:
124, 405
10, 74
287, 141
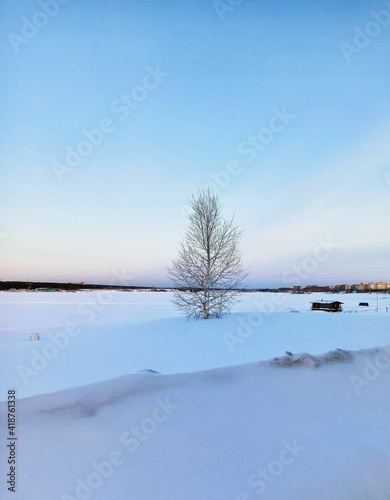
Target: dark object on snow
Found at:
363, 304
327, 306
148, 371
310, 361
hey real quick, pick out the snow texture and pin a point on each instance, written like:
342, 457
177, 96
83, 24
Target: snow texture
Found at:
98, 422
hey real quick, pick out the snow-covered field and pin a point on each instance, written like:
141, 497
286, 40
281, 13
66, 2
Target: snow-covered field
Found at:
223, 421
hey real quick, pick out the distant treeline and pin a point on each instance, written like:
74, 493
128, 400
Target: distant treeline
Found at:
45, 286
68, 287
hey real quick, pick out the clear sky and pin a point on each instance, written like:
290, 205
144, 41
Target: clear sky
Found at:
114, 112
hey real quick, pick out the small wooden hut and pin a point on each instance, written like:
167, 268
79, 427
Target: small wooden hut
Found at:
327, 306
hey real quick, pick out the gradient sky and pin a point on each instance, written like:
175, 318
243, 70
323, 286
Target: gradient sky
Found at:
225, 75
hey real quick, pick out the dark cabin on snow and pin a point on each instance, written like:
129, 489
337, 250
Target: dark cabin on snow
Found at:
327, 306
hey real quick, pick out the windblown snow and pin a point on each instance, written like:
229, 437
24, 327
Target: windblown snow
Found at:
133, 402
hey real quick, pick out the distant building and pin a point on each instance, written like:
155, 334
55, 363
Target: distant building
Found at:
373, 286
359, 287
317, 288
382, 285
342, 288
334, 306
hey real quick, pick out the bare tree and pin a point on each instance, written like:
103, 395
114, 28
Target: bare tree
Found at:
208, 272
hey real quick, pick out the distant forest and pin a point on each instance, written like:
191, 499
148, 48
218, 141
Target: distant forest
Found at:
67, 287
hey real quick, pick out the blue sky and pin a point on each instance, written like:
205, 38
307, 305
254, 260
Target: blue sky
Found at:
114, 113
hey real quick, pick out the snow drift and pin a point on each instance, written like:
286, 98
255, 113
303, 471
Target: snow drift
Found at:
124, 400
296, 427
